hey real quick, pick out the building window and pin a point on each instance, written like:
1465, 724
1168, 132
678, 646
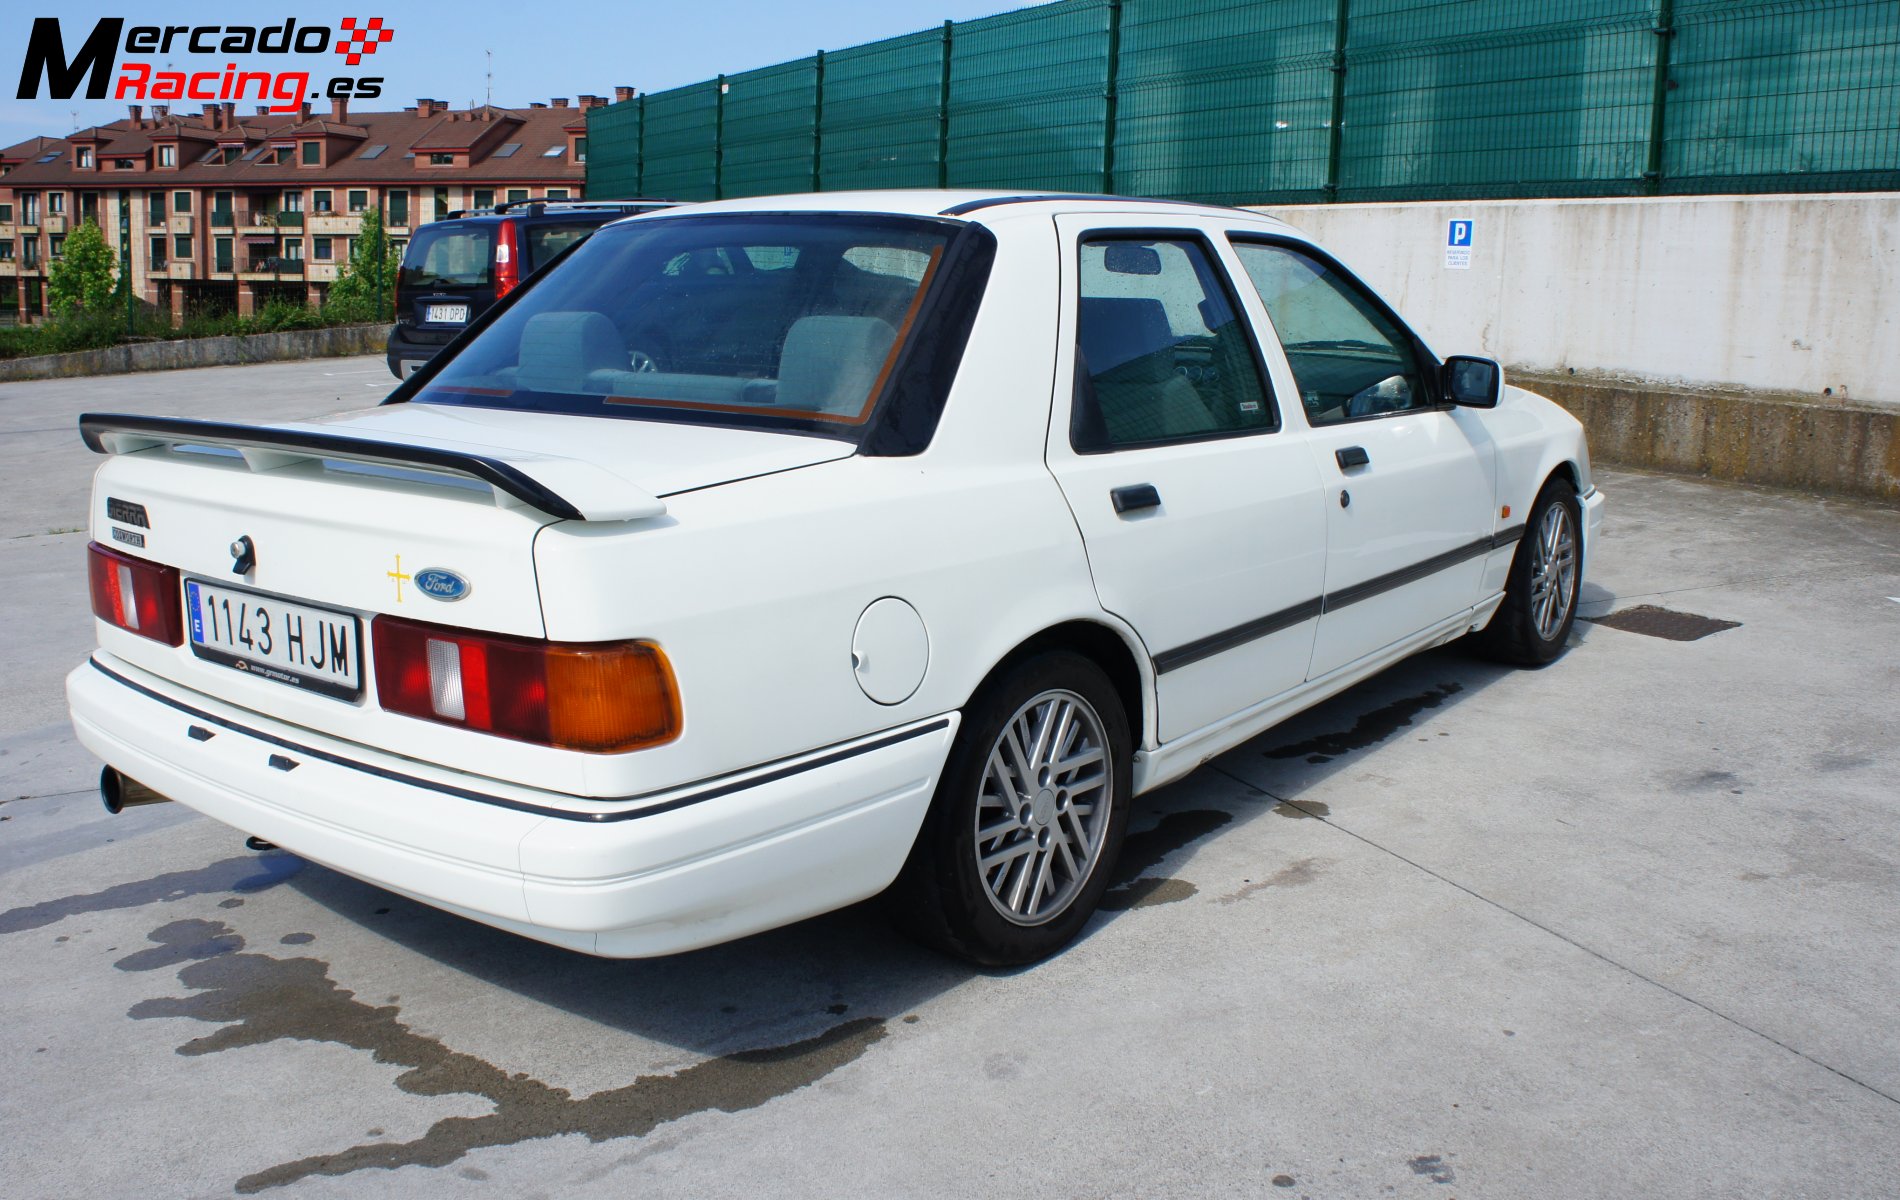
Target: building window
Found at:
55, 245
168, 156
441, 160
557, 193
155, 251
6, 214
221, 249
313, 154
124, 164
320, 200
89, 206
515, 195
155, 208
29, 208
398, 246
293, 202
181, 245
181, 202
228, 154
281, 155
320, 249
56, 202
441, 203
30, 252
359, 200
293, 249
580, 149
484, 197
85, 158
399, 207
6, 249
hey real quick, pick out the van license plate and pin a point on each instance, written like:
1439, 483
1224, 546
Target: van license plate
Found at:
317, 649
448, 314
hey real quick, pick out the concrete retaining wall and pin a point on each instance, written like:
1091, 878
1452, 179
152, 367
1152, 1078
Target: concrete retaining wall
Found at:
335, 342
1796, 295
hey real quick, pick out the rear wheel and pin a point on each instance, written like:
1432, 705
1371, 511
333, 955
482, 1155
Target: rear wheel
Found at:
1540, 594
1028, 817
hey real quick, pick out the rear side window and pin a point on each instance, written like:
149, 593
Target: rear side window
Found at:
1161, 354
546, 241
757, 317
1349, 359
449, 255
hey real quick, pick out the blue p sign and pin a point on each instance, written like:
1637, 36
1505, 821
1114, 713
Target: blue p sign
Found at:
1460, 234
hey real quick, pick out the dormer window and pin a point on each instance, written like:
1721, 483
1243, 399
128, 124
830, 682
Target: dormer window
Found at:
85, 158
280, 155
168, 156
124, 164
580, 149
229, 154
441, 160
313, 154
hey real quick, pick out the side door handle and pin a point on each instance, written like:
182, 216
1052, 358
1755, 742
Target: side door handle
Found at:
1135, 497
1351, 456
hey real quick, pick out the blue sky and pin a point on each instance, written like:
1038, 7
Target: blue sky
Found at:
557, 48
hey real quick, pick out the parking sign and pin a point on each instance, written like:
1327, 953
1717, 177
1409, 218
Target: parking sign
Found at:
1458, 244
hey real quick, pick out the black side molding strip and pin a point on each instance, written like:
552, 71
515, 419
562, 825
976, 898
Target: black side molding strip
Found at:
782, 768
1240, 635
94, 426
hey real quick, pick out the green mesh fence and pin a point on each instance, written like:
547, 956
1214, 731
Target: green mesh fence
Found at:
1283, 101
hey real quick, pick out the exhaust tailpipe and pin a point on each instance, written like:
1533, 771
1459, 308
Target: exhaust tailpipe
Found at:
120, 792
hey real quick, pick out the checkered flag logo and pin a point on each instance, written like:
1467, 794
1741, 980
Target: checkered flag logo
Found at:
353, 43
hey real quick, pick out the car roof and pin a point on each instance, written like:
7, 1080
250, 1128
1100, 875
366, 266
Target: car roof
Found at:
963, 203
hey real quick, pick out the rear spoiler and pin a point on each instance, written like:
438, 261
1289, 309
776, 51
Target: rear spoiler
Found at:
587, 492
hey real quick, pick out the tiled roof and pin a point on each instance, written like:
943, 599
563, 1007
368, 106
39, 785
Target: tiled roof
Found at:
355, 160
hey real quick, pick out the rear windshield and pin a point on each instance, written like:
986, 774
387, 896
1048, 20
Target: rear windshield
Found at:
448, 255
768, 316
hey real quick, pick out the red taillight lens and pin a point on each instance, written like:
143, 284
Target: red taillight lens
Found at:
507, 260
136, 595
605, 697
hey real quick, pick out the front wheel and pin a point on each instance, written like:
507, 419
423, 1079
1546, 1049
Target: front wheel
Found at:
1028, 817
1540, 594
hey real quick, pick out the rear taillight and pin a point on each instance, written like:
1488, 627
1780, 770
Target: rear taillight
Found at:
507, 260
136, 595
601, 697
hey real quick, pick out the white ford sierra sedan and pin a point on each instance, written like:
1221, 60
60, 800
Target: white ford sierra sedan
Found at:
764, 556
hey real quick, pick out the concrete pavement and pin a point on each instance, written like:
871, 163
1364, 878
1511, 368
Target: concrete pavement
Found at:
1623, 926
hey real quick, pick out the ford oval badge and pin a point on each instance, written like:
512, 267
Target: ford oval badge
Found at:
438, 583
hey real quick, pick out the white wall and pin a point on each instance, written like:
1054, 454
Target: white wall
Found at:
1778, 293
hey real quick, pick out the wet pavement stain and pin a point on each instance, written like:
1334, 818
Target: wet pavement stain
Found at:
251, 873
258, 999
1303, 811
1144, 851
1304, 870
1369, 729
1432, 1167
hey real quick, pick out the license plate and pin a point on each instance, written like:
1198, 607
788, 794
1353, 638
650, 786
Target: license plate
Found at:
317, 649
447, 314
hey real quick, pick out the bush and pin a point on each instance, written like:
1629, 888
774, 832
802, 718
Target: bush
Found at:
82, 329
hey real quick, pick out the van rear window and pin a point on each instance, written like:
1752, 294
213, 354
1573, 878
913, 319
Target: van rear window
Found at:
449, 256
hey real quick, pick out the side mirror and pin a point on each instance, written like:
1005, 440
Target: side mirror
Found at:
1472, 382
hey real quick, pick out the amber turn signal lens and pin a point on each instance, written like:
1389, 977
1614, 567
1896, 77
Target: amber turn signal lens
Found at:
606, 698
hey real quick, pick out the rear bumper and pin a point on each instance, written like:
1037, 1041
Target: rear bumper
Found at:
403, 353
667, 872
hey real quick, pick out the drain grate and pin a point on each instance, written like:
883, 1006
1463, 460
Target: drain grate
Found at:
1664, 623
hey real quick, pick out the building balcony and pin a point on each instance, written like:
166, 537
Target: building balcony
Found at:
181, 269
56, 222
180, 222
320, 272
332, 222
289, 219
9, 268
157, 267
266, 269
223, 219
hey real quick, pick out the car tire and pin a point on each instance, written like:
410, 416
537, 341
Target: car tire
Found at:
1532, 626
1004, 874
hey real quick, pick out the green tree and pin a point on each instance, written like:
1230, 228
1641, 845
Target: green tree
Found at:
81, 279
365, 290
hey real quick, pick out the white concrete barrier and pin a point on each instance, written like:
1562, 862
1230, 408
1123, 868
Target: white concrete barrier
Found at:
1798, 295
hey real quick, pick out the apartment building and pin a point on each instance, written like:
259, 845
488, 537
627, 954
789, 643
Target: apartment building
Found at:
224, 212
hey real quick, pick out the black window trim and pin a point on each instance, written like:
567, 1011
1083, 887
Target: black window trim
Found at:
1430, 368
1222, 277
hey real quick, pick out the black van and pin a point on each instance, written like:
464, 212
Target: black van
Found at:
455, 268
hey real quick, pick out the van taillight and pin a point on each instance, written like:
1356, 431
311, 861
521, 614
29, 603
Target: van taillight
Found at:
602, 697
507, 260
136, 595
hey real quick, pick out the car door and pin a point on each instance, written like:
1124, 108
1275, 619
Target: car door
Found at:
1200, 510
1409, 481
